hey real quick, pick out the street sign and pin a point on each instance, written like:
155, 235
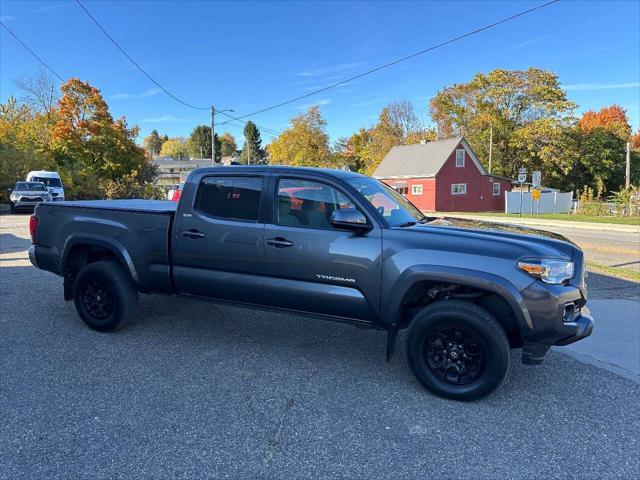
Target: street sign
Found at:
536, 177
535, 194
522, 170
522, 177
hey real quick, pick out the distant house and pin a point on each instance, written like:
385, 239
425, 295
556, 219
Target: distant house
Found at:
443, 175
172, 171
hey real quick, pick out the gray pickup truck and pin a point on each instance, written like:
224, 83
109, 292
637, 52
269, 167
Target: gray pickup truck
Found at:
332, 244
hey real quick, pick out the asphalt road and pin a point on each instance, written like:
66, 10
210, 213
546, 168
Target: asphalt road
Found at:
195, 390
610, 249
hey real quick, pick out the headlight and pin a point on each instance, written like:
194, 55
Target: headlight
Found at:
13, 197
549, 271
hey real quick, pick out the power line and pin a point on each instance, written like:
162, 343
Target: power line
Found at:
32, 52
135, 63
144, 72
394, 62
265, 129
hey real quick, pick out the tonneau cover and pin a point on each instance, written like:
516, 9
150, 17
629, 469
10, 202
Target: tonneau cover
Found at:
133, 205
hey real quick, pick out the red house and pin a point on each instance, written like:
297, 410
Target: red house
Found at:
444, 176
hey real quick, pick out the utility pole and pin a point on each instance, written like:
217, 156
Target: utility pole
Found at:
490, 144
213, 138
627, 171
213, 135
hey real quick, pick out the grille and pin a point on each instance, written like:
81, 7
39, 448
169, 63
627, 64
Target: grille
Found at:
31, 199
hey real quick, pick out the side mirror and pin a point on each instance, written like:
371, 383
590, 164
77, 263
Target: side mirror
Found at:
9, 189
349, 218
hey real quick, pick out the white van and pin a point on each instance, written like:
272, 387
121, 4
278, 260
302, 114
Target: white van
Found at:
51, 180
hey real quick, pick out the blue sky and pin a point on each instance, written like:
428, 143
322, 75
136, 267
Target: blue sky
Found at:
247, 56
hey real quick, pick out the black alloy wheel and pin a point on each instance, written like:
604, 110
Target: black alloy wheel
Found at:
454, 355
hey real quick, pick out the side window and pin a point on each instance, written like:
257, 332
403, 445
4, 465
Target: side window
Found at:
496, 189
416, 189
304, 203
460, 157
230, 198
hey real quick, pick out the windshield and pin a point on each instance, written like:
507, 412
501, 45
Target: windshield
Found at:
395, 209
49, 182
28, 186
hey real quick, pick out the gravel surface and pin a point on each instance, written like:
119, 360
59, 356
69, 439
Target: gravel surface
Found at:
195, 390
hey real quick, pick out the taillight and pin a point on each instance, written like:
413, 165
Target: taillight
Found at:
176, 195
33, 226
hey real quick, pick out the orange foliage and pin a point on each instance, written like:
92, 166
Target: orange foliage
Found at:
613, 118
635, 140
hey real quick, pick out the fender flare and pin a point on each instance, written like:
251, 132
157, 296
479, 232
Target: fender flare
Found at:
461, 276
102, 241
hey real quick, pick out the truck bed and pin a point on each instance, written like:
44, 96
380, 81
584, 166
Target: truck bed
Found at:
135, 231
134, 205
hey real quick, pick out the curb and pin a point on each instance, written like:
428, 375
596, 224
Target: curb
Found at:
540, 223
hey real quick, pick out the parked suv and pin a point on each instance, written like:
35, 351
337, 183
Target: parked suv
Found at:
26, 195
333, 244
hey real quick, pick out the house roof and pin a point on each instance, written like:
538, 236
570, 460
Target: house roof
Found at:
421, 160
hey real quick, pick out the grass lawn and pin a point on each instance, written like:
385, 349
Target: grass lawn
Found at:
558, 216
616, 272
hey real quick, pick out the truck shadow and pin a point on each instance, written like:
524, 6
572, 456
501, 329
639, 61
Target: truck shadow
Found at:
270, 345
10, 243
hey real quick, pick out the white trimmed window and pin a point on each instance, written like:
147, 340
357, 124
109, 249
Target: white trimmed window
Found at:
496, 189
416, 189
458, 189
460, 157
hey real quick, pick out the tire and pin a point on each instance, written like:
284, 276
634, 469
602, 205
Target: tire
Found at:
12, 209
467, 373
105, 296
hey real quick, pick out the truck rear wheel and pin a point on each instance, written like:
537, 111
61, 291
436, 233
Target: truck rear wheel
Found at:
105, 296
458, 350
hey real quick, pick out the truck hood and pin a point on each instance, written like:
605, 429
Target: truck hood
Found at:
536, 242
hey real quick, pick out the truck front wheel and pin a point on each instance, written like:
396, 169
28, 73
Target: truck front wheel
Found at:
105, 296
457, 350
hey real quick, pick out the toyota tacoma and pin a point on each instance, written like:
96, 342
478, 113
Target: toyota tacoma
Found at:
332, 244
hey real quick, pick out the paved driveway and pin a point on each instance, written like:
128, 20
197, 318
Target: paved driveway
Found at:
194, 390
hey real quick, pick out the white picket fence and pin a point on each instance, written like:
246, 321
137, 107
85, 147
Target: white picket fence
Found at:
550, 202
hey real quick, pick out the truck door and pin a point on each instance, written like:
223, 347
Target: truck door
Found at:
218, 239
314, 266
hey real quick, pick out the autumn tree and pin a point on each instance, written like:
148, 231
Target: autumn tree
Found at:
526, 109
252, 151
597, 150
88, 143
398, 124
175, 147
23, 143
305, 143
612, 119
227, 144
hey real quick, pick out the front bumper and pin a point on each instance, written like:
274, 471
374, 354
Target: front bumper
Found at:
559, 316
18, 205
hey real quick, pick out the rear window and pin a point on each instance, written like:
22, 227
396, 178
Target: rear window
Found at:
49, 182
24, 186
231, 198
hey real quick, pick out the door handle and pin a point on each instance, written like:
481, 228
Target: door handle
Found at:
279, 242
192, 234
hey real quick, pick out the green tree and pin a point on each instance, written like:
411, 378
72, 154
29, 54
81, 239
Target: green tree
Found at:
200, 142
252, 151
305, 143
527, 109
227, 144
153, 143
